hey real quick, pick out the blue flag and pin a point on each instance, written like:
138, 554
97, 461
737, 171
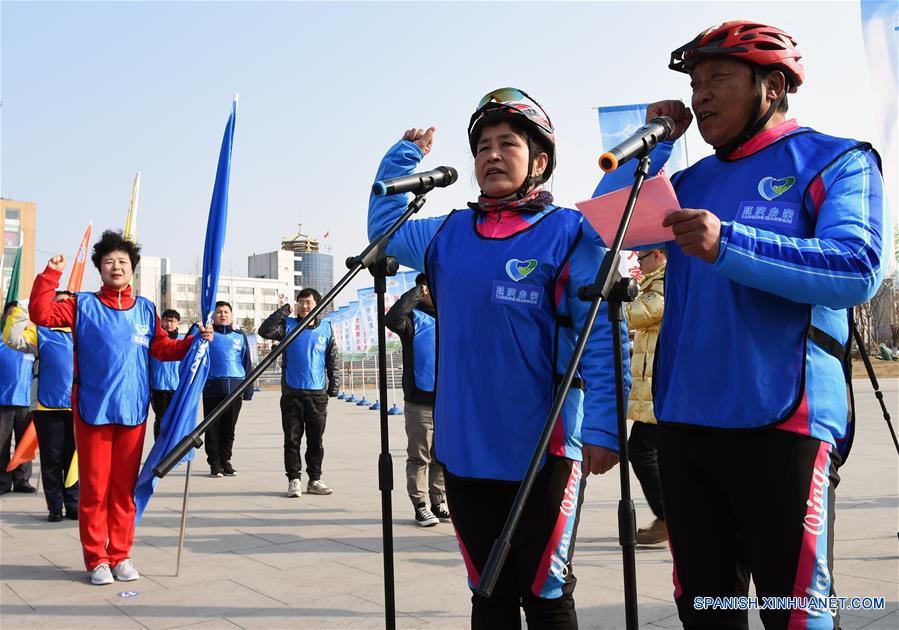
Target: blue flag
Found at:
180, 417
615, 125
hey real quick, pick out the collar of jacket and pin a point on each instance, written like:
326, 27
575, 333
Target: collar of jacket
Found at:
222, 329
652, 276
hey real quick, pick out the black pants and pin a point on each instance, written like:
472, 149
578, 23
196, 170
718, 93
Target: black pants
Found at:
56, 436
537, 574
220, 436
304, 412
159, 400
13, 420
741, 503
643, 452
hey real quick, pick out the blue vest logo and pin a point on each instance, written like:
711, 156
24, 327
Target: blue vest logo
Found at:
770, 188
757, 213
520, 269
321, 342
140, 337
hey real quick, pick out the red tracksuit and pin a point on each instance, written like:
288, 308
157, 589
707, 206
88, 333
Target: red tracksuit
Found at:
108, 455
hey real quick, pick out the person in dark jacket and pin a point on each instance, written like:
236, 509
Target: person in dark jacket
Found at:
229, 363
164, 374
412, 318
309, 375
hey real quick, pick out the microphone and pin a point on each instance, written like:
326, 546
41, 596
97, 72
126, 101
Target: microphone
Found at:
417, 183
640, 142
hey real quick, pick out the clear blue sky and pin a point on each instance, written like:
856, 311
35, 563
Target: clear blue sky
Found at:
94, 92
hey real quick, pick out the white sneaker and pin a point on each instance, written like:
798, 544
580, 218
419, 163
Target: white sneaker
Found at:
294, 488
101, 575
124, 571
318, 487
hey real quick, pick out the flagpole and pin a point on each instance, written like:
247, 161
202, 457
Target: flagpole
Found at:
183, 518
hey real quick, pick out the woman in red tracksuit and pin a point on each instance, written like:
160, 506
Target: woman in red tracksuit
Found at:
115, 333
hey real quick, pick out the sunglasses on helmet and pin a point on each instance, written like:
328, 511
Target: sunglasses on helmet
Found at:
506, 95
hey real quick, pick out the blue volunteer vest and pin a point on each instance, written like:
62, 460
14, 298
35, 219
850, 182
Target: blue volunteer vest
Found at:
113, 350
729, 355
496, 340
304, 359
226, 355
57, 368
423, 348
164, 374
15, 377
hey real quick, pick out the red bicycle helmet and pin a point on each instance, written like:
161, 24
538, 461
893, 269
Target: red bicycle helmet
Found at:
754, 43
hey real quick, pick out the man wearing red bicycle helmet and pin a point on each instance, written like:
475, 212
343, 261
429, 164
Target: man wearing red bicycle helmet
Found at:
780, 234
503, 274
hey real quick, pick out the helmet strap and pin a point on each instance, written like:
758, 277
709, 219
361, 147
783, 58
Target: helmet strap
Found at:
752, 126
528, 182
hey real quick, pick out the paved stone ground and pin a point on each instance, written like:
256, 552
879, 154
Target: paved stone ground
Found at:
255, 559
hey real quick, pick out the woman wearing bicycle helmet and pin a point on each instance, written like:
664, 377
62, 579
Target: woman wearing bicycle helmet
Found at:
504, 273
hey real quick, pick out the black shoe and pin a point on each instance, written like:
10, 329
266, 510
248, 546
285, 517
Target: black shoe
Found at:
215, 471
228, 470
25, 488
54, 517
441, 511
72, 514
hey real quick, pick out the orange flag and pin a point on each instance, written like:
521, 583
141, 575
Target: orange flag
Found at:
25, 448
77, 274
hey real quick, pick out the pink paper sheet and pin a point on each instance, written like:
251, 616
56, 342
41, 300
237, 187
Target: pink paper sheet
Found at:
656, 200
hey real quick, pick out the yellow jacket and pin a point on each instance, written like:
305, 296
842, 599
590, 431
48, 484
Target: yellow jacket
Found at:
644, 316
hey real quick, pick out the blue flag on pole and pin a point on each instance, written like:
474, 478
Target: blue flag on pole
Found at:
618, 122
180, 418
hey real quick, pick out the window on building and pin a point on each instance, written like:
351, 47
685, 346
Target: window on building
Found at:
243, 290
249, 306
223, 290
13, 213
187, 288
298, 280
269, 292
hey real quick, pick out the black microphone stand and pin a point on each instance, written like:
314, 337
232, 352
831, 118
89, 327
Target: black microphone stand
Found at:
874, 384
611, 288
380, 265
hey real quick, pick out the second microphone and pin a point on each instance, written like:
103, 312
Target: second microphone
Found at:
416, 183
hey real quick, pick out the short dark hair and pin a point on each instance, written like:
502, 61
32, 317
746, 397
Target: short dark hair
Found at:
115, 241
309, 292
9, 306
421, 279
170, 312
224, 303
69, 293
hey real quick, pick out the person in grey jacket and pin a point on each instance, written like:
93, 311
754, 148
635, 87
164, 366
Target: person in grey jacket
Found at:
412, 319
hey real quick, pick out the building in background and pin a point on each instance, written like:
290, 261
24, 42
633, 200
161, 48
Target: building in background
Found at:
148, 278
251, 299
300, 263
16, 217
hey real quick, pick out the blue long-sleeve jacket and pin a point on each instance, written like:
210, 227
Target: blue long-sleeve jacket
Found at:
409, 246
737, 349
